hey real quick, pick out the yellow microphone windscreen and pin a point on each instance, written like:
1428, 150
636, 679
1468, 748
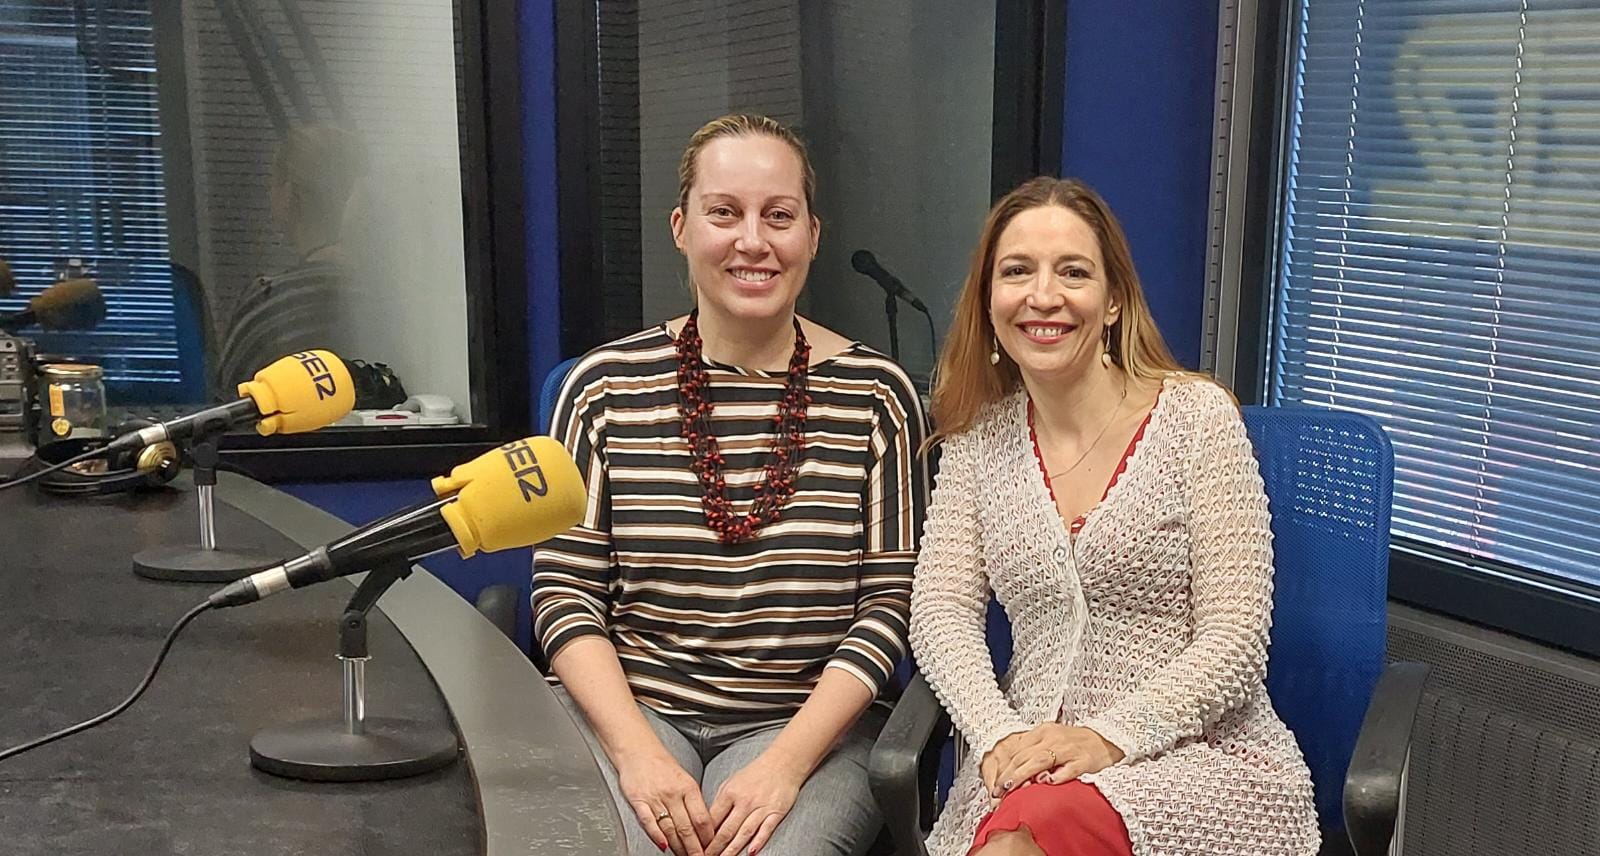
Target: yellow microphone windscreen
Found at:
301, 392
514, 496
73, 304
65, 293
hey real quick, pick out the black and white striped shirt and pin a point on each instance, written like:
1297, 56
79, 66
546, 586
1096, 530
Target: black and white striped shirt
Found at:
284, 314
739, 631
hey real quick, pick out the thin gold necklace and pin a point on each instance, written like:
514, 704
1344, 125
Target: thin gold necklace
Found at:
1103, 429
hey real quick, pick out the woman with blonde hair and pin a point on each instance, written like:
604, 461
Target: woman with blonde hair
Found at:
1111, 502
725, 617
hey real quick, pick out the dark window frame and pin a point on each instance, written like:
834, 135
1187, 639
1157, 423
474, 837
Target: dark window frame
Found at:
1541, 607
1030, 69
1030, 82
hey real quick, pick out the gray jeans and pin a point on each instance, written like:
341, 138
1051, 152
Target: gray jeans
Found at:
834, 815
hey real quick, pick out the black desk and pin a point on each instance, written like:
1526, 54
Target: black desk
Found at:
172, 775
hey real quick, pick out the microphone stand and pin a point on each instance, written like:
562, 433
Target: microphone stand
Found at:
893, 292
891, 308
205, 563
355, 748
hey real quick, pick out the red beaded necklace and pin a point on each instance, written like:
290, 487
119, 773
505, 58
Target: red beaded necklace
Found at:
694, 407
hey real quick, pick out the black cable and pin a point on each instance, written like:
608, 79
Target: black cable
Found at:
37, 474
105, 717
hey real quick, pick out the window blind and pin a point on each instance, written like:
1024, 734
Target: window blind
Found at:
81, 176
1438, 262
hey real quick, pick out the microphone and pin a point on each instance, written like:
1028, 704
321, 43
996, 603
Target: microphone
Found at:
514, 496
72, 304
866, 263
301, 392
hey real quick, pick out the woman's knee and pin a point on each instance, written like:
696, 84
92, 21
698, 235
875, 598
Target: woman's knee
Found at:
1011, 842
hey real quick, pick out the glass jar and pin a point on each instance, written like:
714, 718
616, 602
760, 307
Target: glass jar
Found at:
72, 402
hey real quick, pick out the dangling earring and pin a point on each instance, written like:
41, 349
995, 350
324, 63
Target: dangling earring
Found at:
994, 355
1105, 353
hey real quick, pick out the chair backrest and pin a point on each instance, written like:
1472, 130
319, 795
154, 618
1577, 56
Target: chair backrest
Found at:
550, 389
1330, 485
191, 318
500, 603
1329, 479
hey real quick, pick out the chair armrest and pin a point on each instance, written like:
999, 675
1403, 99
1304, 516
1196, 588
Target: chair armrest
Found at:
899, 760
1374, 787
498, 603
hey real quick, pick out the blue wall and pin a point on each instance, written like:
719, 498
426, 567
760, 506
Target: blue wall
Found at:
362, 502
1139, 103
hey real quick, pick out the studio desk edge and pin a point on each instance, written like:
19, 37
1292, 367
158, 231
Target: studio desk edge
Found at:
539, 788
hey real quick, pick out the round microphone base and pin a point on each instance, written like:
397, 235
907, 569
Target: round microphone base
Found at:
195, 564
325, 750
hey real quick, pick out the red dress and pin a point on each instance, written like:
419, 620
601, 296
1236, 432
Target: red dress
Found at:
1071, 818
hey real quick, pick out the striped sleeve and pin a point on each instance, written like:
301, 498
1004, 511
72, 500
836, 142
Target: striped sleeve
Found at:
574, 573
289, 312
893, 502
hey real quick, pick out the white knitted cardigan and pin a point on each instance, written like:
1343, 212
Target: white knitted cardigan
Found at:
1149, 626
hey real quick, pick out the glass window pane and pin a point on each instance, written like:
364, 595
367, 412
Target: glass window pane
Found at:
1437, 259
241, 181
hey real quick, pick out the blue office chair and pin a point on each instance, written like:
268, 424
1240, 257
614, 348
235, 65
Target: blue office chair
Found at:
503, 604
193, 324
550, 389
1329, 478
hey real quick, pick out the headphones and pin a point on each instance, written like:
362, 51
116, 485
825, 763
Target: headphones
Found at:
137, 469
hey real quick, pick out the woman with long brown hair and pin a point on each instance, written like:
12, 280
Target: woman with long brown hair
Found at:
1111, 502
